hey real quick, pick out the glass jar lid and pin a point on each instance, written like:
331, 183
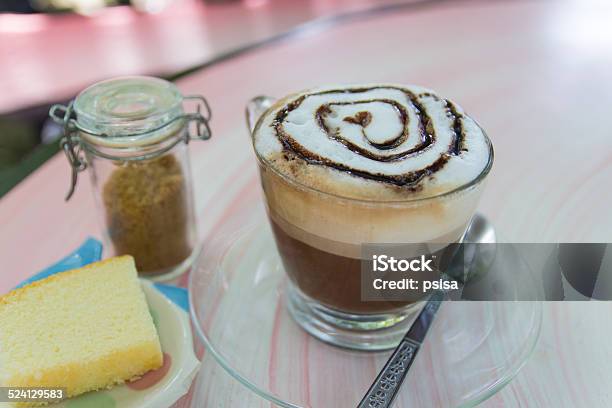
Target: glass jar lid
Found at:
128, 118
127, 106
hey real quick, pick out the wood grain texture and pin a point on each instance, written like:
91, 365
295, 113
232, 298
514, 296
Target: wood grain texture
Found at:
536, 75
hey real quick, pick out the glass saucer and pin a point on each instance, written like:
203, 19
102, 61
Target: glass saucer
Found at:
238, 295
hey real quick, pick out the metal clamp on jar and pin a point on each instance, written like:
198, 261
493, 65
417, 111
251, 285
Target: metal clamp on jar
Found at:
132, 135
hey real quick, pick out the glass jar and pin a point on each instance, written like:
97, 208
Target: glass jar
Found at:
131, 133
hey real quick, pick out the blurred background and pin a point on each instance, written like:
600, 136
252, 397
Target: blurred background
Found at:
51, 49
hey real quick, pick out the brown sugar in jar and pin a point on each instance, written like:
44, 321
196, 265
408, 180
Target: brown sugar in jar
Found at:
147, 213
132, 135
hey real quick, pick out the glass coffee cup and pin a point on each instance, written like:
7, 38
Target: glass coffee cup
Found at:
320, 232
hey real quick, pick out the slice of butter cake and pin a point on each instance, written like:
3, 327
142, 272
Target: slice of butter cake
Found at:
82, 330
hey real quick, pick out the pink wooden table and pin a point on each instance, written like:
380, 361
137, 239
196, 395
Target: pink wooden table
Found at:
51, 57
535, 74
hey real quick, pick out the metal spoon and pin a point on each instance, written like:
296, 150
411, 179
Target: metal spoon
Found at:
477, 258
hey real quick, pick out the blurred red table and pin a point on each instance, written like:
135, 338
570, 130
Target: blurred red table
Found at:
47, 58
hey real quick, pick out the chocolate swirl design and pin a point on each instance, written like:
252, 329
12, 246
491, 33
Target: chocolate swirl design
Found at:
384, 133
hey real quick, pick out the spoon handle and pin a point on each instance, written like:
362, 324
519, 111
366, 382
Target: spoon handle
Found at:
388, 382
384, 389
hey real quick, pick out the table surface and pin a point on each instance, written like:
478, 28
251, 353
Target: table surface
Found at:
119, 41
535, 74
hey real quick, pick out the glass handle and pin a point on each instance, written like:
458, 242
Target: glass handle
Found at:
255, 108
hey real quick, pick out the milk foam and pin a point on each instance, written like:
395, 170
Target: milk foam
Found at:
373, 141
